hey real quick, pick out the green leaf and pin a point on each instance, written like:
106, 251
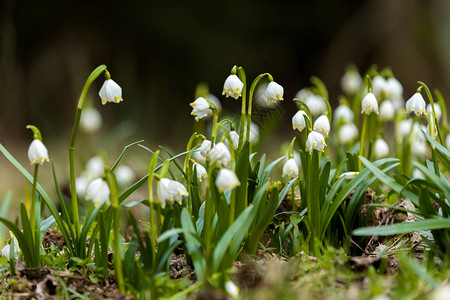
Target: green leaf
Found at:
233, 237
123, 152
430, 224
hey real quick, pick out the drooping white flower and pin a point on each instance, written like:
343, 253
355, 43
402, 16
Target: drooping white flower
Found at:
394, 88
290, 169
379, 85
81, 184
303, 94
316, 105
416, 104
274, 92
200, 108
387, 110
404, 128
233, 87
205, 148
198, 157
254, 133
234, 136
6, 251
343, 114
226, 179
98, 191
322, 125
351, 82
170, 190
201, 171
231, 289
347, 133
110, 92
380, 148
298, 120
349, 175
37, 152
124, 175
315, 141
437, 110
91, 120
369, 104
94, 167
221, 154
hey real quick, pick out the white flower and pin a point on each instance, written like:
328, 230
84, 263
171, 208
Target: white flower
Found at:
442, 292
81, 184
98, 191
387, 110
416, 104
316, 105
6, 251
379, 85
200, 108
37, 152
124, 175
232, 289
315, 141
298, 120
205, 148
91, 120
347, 133
404, 128
437, 110
198, 157
303, 94
290, 169
94, 167
349, 175
234, 136
232, 87
369, 104
344, 114
254, 133
351, 82
201, 171
170, 190
394, 88
226, 179
322, 125
110, 92
380, 148
274, 92
221, 154
419, 147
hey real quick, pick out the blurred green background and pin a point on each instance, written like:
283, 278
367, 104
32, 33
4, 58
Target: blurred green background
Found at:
158, 51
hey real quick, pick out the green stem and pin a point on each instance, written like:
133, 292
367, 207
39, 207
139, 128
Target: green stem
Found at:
242, 76
33, 200
116, 231
153, 233
73, 192
250, 101
363, 139
208, 216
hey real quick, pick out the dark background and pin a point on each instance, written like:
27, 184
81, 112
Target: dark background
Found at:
158, 51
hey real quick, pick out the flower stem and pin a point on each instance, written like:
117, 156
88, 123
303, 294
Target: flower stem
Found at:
73, 192
153, 234
116, 230
242, 76
250, 101
363, 139
33, 200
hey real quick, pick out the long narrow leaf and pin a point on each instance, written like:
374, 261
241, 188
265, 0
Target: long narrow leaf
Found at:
430, 224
